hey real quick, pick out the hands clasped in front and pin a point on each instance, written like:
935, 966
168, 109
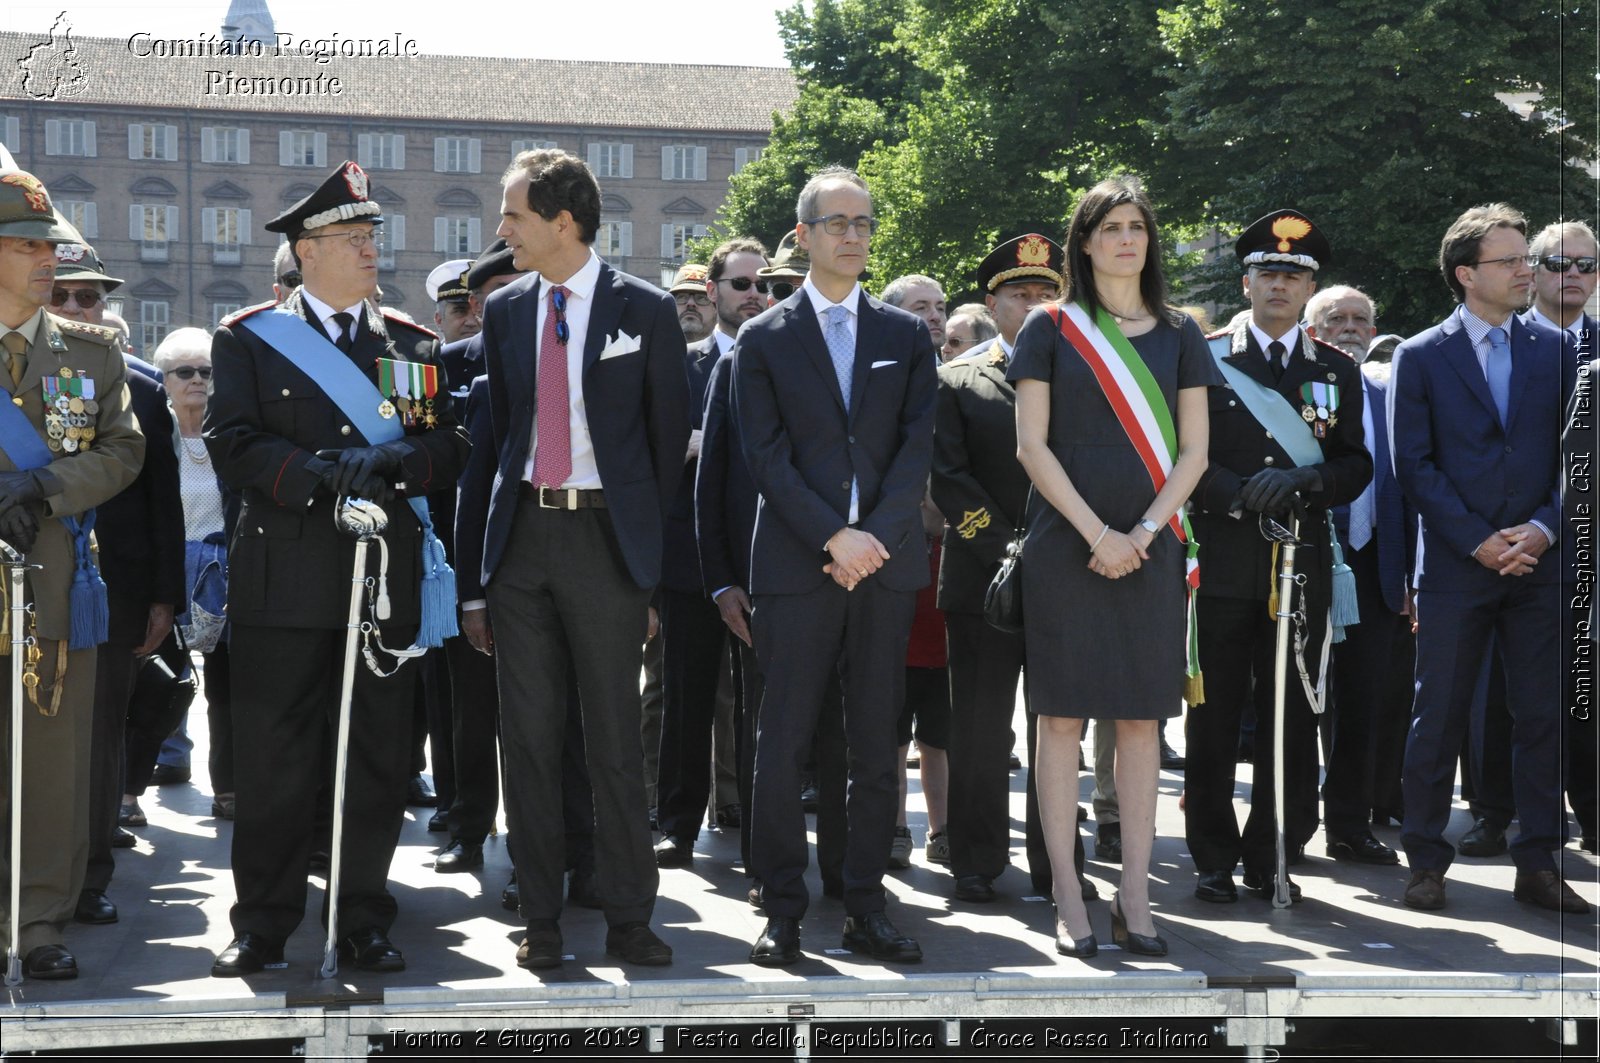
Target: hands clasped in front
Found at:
1119, 553
1512, 551
856, 555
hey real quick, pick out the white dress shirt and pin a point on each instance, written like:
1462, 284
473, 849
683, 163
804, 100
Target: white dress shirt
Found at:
325, 314
1288, 339
585, 475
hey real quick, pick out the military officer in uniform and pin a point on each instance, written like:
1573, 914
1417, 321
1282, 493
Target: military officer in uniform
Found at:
270, 427
981, 487
68, 442
1271, 364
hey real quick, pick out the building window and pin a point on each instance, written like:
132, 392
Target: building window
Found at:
614, 239
381, 151
82, 214
389, 238
457, 236
10, 133
520, 146
222, 144
69, 136
302, 148
222, 310
457, 154
155, 318
226, 229
150, 141
681, 162
743, 157
611, 160
152, 227
675, 239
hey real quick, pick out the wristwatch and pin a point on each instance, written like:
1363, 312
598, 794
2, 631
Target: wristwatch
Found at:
1150, 526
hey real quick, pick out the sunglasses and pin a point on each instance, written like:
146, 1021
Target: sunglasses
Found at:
742, 284
290, 279
558, 303
189, 372
782, 289
691, 298
1562, 263
88, 298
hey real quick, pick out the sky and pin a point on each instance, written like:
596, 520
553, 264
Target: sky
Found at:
697, 31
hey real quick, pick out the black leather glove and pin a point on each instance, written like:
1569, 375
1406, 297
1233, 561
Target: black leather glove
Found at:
359, 466
1272, 491
332, 475
24, 486
19, 526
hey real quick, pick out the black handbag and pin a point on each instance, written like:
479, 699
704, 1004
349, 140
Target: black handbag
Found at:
1002, 602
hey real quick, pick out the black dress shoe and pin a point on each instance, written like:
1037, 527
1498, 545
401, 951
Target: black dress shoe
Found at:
1171, 759
582, 890
167, 775
1263, 884
728, 817
779, 943
808, 798
50, 963
1361, 848
1013, 762
419, 791
636, 943
510, 897
876, 936
247, 954
439, 823
460, 856
1587, 843
371, 950
1138, 944
1216, 887
1108, 843
541, 947
674, 852
94, 908
1086, 889
1484, 839
974, 889
123, 839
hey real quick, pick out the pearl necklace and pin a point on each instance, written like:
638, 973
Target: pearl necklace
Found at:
189, 451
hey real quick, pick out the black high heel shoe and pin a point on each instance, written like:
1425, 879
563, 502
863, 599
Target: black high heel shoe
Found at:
1138, 944
1079, 949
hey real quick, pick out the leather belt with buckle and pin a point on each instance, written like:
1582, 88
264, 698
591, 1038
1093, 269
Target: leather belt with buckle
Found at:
568, 498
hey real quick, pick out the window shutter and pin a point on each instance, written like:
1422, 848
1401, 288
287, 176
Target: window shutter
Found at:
172, 223
397, 232
208, 224
322, 149
474, 235
627, 160
88, 140
440, 227
666, 164
741, 159
91, 221
364, 150
52, 136
11, 133
135, 140
171, 146
399, 151
594, 151
474, 155
135, 222
699, 164
208, 143
244, 144
244, 225
285, 148
439, 156
625, 237
666, 242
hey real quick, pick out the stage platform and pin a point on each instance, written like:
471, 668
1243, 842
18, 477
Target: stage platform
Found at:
1240, 979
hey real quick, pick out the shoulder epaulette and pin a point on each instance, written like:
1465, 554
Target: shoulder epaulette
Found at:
1221, 332
240, 315
394, 318
100, 334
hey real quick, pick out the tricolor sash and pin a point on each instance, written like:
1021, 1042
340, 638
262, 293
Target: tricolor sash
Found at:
89, 611
310, 350
1141, 409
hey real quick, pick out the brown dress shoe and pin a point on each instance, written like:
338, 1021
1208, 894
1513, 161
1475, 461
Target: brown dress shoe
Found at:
1425, 891
1549, 890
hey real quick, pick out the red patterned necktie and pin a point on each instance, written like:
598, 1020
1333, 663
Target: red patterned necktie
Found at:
552, 456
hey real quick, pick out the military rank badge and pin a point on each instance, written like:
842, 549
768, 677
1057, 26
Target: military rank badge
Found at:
972, 522
1319, 405
410, 388
69, 411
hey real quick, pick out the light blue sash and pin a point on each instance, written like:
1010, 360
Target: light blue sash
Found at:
314, 354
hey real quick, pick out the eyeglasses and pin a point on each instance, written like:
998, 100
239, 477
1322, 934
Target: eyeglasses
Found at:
696, 298
189, 372
290, 279
1511, 261
358, 238
782, 289
88, 298
838, 224
1562, 263
742, 284
558, 304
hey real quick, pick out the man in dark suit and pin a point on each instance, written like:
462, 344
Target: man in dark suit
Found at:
834, 395
1475, 414
1251, 475
693, 637
589, 427
290, 571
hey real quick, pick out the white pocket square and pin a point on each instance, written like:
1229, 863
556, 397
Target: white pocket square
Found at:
880, 365
622, 344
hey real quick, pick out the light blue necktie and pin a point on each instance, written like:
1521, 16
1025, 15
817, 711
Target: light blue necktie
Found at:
842, 349
1497, 367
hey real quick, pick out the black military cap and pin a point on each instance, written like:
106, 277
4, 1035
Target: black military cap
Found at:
27, 213
78, 262
1029, 257
495, 261
342, 197
1283, 241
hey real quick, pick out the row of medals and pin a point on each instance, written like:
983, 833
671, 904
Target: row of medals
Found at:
413, 412
69, 421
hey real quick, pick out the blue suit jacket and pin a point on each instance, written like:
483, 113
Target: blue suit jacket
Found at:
805, 441
725, 498
637, 406
1466, 473
1395, 536
681, 564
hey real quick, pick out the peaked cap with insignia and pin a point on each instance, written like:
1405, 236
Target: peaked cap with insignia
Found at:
691, 277
495, 261
342, 197
1283, 241
79, 262
27, 213
1029, 257
448, 280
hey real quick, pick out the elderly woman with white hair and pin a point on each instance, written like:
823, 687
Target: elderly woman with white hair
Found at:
184, 359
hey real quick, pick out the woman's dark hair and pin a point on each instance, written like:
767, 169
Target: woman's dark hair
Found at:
1092, 209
